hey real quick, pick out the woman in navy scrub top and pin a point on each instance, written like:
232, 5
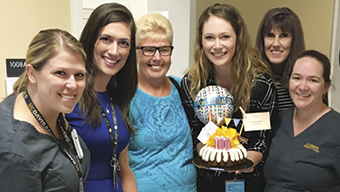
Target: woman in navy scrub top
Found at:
305, 151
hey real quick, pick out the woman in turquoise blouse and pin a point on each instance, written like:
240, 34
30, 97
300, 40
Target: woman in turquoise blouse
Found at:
161, 152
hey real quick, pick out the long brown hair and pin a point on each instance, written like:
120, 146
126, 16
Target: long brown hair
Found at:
246, 63
123, 85
285, 20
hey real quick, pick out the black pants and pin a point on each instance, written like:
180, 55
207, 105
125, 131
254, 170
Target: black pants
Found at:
207, 181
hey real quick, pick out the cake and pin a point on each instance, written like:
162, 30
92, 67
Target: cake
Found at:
223, 149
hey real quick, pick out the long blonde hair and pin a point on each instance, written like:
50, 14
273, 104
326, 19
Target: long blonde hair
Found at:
247, 64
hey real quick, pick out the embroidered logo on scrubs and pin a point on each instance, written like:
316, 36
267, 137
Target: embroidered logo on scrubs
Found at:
312, 147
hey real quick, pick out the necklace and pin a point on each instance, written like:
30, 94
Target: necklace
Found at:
114, 139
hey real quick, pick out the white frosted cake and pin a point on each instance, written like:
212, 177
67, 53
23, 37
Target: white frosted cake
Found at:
223, 149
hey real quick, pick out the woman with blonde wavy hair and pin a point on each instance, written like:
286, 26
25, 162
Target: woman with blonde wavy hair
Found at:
224, 57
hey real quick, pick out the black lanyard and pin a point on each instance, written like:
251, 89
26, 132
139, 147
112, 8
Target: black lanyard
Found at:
114, 140
61, 122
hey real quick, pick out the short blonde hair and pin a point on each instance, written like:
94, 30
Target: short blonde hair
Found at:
153, 26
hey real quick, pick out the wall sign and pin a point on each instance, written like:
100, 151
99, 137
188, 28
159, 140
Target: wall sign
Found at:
15, 67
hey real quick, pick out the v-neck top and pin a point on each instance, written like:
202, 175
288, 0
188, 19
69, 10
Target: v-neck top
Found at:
308, 161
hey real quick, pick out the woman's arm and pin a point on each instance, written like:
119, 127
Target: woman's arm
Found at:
126, 174
255, 157
259, 141
195, 124
264, 98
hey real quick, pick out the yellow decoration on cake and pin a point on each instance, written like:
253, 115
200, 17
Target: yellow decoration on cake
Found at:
227, 120
224, 132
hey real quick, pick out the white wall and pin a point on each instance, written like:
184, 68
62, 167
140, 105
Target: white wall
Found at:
181, 13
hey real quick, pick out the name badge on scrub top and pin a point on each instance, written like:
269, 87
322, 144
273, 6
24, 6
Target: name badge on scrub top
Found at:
256, 121
235, 185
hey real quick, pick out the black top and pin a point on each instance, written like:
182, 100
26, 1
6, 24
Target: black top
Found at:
285, 102
33, 161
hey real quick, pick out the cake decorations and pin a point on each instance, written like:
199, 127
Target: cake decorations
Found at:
223, 148
214, 107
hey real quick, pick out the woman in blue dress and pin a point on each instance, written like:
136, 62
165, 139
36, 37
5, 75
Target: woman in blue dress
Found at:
109, 42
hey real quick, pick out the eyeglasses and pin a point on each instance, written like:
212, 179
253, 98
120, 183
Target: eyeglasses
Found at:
150, 51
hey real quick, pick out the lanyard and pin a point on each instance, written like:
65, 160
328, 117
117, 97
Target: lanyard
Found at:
114, 140
61, 122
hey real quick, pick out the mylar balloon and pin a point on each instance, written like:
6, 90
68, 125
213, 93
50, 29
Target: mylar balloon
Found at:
213, 101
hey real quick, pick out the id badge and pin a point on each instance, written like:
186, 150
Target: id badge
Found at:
235, 185
76, 142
